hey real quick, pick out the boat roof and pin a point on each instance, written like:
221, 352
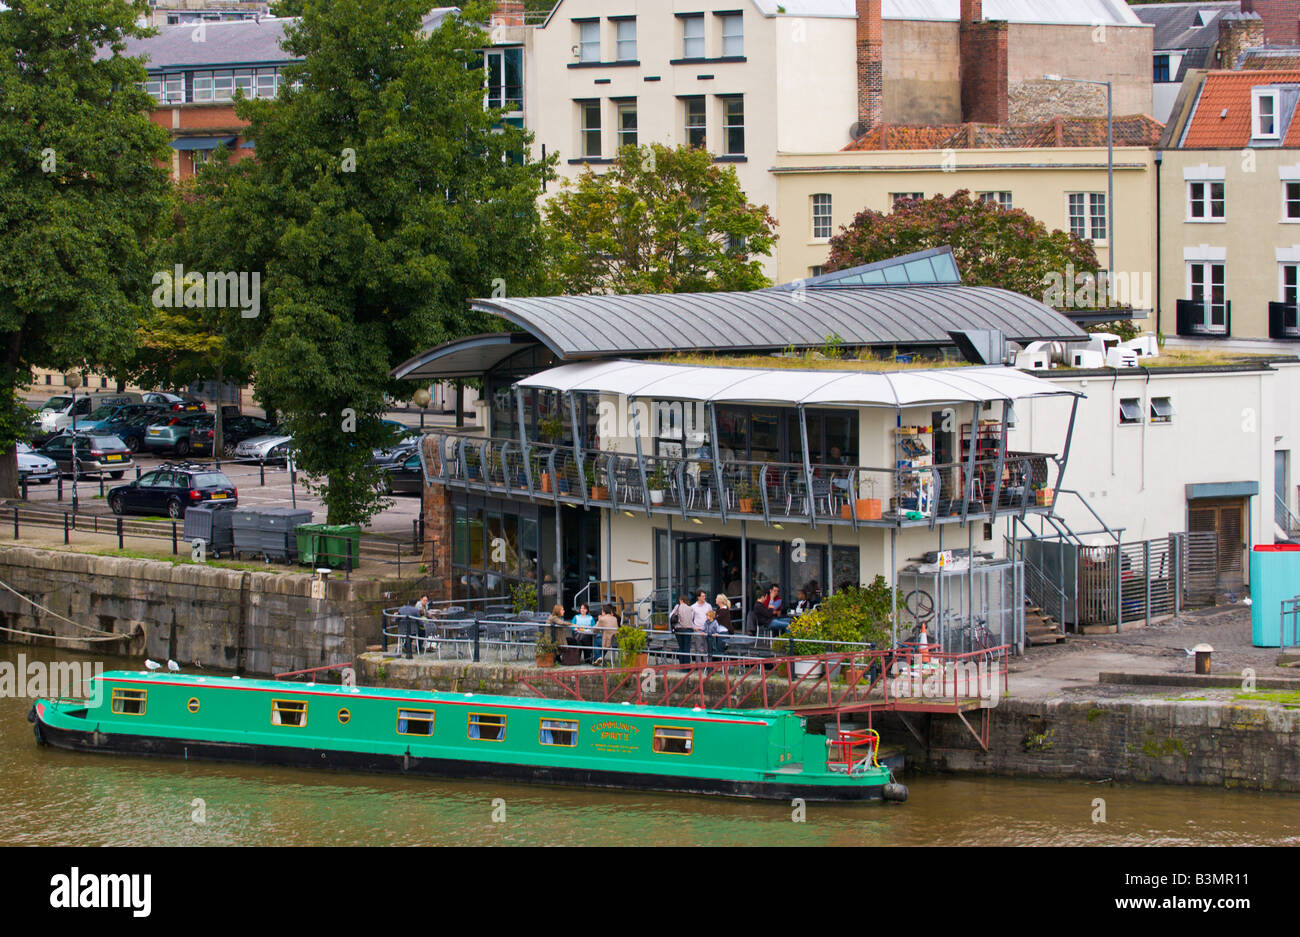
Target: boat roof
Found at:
285, 687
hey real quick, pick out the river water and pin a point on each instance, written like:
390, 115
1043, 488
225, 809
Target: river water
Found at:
50, 797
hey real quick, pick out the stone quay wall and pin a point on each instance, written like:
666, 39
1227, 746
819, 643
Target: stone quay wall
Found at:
223, 619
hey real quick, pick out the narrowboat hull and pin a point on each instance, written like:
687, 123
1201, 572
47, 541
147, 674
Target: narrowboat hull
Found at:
450, 768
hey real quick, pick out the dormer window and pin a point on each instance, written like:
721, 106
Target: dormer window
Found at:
1263, 114
1205, 17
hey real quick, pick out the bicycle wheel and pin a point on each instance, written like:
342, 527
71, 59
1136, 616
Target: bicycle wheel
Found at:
920, 605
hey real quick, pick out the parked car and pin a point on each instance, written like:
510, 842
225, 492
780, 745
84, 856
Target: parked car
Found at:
95, 454
270, 448
172, 433
405, 477
175, 402
171, 489
58, 412
234, 430
34, 467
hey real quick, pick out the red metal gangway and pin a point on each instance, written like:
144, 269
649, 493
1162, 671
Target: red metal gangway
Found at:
900, 680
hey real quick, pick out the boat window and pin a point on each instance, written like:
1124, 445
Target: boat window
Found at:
673, 741
415, 722
344, 717
559, 732
193, 704
489, 727
130, 702
288, 713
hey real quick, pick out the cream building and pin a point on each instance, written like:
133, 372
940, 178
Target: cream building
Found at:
1229, 231
1065, 187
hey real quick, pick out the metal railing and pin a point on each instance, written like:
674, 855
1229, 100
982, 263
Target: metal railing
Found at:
774, 491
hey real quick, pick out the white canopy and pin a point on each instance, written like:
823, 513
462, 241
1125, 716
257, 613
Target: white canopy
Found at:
716, 384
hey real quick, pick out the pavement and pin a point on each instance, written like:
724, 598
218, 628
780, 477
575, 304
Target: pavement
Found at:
1070, 669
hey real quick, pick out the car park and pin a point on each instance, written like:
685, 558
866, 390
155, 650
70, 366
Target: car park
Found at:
171, 489
129, 423
171, 433
34, 467
234, 430
93, 454
175, 402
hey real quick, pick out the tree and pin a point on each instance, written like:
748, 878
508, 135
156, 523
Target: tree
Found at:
382, 198
993, 246
83, 194
659, 220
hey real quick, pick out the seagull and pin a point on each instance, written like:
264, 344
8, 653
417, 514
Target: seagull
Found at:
152, 664
173, 666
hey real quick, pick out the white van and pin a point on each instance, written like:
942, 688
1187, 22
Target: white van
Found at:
56, 413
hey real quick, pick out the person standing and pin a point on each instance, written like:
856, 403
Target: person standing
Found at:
724, 612
683, 628
699, 621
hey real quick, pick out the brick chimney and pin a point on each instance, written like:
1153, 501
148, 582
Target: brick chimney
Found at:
1237, 33
983, 50
508, 13
1281, 19
871, 62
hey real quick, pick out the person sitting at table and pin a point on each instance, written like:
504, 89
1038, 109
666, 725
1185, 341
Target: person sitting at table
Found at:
801, 604
771, 602
558, 625
606, 628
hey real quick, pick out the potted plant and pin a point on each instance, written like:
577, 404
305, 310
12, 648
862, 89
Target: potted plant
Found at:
595, 482
631, 647
543, 477
746, 494
657, 483
546, 648
866, 509
550, 429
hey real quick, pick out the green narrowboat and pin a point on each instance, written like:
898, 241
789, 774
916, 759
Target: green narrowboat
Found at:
740, 753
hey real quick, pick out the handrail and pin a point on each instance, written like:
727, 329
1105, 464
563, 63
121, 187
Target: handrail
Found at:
1293, 523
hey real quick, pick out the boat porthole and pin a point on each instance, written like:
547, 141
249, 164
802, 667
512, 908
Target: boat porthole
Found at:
344, 717
193, 704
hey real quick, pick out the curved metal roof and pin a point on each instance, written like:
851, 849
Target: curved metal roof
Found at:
710, 383
473, 356
577, 327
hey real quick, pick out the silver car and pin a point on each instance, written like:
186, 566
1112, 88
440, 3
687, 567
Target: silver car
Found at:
264, 449
34, 467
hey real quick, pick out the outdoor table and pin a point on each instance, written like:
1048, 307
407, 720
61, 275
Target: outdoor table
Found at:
517, 634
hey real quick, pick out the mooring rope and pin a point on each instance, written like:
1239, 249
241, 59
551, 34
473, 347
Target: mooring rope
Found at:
108, 635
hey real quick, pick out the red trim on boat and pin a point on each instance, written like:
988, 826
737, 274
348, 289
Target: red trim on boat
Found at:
286, 691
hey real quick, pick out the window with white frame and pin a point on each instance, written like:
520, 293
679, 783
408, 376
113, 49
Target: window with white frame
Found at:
693, 36
1130, 410
1205, 201
1087, 213
733, 34
897, 198
589, 129
1206, 281
505, 78
1291, 201
695, 120
821, 216
733, 125
1264, 114
627, 127
589, 40
1000, 199
625, 39
1289, 275
816, 271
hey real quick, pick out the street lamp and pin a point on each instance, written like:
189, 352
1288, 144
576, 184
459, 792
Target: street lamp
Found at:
73, 380
1110, 165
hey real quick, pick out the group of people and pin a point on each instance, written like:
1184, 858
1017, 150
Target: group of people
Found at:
699, 627
594, 633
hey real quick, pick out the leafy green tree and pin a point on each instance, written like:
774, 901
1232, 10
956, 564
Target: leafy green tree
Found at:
659, 220
382, 198
993, 246
83, 195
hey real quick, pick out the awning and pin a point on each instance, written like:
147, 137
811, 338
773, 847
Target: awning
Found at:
791, 386
201, 143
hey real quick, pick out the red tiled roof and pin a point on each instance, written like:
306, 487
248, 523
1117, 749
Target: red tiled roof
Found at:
1222, 116
1133, 130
